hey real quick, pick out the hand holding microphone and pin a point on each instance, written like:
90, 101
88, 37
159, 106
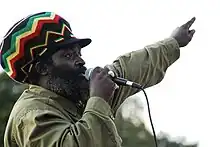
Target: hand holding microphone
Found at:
117, 80
101, 85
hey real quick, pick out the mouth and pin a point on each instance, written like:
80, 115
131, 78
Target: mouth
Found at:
82, 71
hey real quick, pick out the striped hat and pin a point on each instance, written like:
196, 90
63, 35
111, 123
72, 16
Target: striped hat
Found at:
34, 37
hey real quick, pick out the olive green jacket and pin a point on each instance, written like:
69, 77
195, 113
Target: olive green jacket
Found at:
41, 118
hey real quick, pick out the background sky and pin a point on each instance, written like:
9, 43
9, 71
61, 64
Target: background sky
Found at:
186, 102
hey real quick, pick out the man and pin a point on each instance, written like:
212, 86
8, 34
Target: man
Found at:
61, 108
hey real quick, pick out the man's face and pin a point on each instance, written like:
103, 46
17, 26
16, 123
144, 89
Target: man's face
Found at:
66, 75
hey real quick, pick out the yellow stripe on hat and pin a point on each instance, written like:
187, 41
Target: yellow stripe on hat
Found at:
18, 38
46, 39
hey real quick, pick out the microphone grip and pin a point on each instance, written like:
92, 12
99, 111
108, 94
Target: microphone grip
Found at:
120, 81
124, 82
117, 80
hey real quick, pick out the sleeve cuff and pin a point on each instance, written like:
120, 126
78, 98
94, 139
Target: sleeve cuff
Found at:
173, 51
97, 104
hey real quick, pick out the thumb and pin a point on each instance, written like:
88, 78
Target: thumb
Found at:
191, 33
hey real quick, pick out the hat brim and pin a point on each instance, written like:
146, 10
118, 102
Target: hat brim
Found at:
82, 42
56, 46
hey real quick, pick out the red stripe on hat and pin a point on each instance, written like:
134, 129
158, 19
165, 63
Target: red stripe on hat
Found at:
23, 40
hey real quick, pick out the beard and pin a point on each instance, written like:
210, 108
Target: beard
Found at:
69, 83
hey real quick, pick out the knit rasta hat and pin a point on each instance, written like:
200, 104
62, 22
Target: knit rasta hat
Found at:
32, 38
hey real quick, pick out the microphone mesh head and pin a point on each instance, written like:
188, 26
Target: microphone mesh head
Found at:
88, 73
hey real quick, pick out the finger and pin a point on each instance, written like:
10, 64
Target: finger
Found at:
191, 33
96, 71
104, 72
108, 81
114, 86
189, 23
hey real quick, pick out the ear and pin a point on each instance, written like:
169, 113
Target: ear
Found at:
42, 69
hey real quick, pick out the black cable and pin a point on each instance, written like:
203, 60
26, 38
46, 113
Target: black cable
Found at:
136, 85
148, 106
124, 82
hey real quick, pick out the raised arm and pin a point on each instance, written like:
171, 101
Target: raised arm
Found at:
148, 66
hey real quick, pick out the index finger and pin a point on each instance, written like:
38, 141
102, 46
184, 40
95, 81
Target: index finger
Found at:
93, 72
104, 71
189, 23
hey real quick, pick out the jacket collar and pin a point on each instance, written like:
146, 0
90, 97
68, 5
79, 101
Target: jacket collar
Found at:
64, 102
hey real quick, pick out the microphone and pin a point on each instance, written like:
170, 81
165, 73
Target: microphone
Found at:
117, 80
125, 82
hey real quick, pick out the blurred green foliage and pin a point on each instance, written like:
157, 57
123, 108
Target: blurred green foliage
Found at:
9, 92
131, 134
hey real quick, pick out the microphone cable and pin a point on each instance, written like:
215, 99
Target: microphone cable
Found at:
149, 113
125, 82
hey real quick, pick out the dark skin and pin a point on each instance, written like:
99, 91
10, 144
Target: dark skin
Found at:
183, 34
64, 74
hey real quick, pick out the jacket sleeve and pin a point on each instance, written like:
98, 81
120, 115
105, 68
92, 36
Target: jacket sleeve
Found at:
146, 66
47, 128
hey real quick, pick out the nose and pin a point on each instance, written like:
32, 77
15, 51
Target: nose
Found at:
80, 61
